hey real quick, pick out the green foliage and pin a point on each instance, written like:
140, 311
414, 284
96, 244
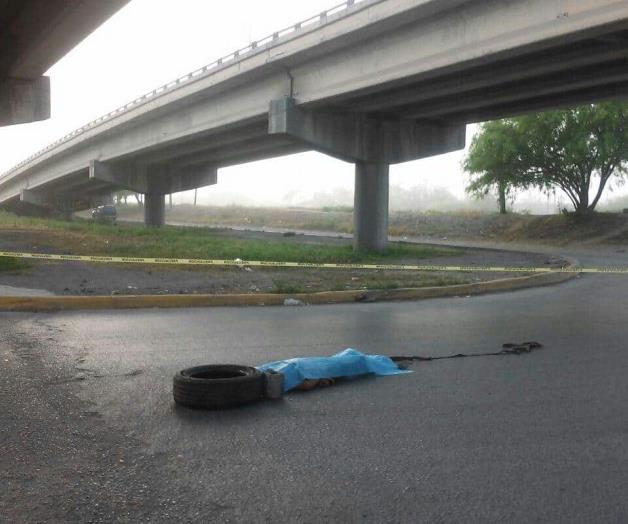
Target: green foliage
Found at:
123, 196
492, 157
83, 237
384, 284
340, 209
491, 162
12, 264
287, 288
576, 151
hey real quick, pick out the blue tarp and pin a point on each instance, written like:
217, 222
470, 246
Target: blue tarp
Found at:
347, 363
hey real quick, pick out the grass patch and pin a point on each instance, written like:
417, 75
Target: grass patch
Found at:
88, 238
339, 281
411, 281
337, 209
13, 264
384, 284
289, 288
453, 225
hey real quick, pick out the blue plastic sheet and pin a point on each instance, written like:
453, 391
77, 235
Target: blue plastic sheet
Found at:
347, 363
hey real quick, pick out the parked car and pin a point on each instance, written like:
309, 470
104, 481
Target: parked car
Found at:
107, 214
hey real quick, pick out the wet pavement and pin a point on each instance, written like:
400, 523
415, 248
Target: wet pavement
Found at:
12, 291
93, 435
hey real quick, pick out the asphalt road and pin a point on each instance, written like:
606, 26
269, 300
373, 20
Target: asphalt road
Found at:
90, 433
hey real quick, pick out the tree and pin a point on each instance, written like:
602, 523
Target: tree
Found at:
577, 150
123, 195
491, 162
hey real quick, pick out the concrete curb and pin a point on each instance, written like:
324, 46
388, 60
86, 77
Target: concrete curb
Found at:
60, 303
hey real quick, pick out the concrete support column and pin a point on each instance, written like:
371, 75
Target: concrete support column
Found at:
370, 210
154, 209
24, 100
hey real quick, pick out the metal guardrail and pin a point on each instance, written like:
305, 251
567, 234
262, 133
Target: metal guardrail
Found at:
224, 61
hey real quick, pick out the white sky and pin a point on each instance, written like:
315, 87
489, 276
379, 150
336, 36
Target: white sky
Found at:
151, 42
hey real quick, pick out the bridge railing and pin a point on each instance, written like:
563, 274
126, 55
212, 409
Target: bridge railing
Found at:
223, 61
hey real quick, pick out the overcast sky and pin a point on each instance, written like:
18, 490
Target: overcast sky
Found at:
150, 42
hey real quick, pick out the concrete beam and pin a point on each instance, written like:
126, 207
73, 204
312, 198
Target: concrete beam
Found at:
37, 34
24, 100
130, 177
405, 140
57, 202
346, 137
33, 198
200, 145
189, 177
617, 91
552, 85
562, 60
357, 138
257, 149
161, 179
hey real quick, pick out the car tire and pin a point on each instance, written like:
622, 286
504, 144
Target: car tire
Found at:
218, 386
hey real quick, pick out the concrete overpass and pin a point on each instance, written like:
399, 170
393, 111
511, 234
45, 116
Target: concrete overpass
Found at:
375, 83
34, 34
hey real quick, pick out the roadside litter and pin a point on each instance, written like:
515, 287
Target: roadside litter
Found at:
226, 386
293, 302
509, 348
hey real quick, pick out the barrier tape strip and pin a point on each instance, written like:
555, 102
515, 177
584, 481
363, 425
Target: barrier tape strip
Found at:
266, 263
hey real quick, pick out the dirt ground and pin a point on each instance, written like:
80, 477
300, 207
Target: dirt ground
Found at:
555, 229
77, 278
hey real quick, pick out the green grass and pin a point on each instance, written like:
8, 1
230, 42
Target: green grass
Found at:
83, 237
13, 264
279, 286
426, 280
181, 242
384, 284
338, 209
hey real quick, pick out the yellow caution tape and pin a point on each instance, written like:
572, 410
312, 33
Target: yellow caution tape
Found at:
266, 263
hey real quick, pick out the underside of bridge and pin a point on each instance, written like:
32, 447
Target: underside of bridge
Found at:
372, 99
34, 34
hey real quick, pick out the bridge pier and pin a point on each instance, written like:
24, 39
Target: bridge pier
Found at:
372, 144
154, 209
370, 209
154, 182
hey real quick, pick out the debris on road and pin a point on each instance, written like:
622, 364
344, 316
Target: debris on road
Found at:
508, 348
293, 302
218, 386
